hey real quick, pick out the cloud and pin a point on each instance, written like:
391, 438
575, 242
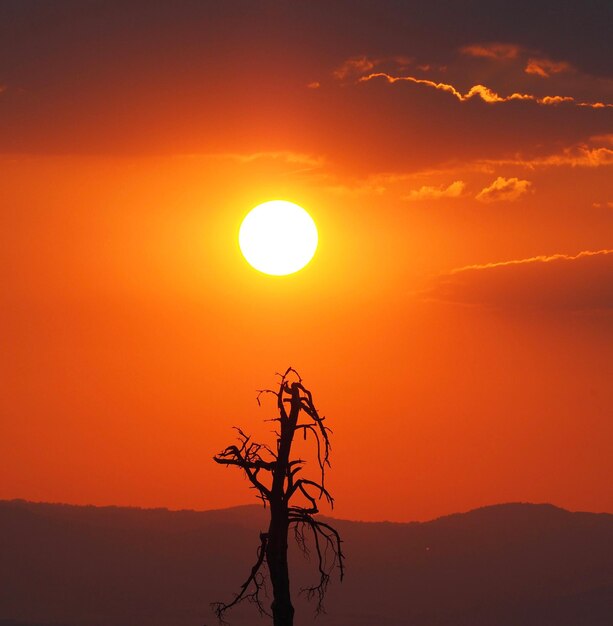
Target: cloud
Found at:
581, 155
583, 282
603, 139
359, 65
484, 93
498, 51
354, 66
537, 65
546, 67
454, 190
504, 189
587, 154
286, 156
559, 99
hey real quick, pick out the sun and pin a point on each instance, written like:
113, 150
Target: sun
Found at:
278, 237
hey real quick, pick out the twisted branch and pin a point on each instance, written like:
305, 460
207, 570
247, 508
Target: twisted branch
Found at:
259, 585
328, 549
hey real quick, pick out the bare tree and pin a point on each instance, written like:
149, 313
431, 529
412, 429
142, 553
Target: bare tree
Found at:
273, 474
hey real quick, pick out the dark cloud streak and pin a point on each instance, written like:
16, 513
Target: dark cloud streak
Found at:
581, 282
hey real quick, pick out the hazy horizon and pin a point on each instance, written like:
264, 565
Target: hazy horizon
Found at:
327, 514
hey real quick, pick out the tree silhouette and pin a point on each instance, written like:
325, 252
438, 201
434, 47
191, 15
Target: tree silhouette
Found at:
273, 474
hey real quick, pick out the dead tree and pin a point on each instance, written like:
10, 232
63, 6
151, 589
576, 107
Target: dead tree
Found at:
292, 500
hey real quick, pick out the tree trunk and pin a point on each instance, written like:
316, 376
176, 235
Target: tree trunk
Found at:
276, 557
276, 551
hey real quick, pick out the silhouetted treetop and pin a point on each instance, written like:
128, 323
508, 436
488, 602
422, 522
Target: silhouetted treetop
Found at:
292, 499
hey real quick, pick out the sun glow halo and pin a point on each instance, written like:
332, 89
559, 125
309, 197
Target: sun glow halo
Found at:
278, 237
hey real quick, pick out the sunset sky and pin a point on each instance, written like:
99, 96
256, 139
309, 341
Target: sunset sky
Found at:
456, 322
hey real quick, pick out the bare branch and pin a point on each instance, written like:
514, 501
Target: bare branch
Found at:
322, 490
262, 392
256, 579
248, 458
327, 542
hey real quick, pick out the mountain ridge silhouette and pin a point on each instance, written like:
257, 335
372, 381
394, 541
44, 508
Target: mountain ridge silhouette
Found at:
499, 565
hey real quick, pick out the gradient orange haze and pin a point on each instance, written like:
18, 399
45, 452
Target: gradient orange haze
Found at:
454, 324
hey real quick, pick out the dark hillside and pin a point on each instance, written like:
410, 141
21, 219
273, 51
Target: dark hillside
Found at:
535, 565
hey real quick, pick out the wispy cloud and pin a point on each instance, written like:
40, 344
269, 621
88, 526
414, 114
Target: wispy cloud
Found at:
606, 139
354, 66
592, 153
504, 189
287, 156
533, 62
580, 282
484, 93
581, 155
454, 190
541, 258
546, 67
432, 182
359, 65
498, 51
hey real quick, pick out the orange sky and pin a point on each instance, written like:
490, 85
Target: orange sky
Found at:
456, 323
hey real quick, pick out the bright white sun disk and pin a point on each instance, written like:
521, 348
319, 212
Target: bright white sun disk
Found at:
278, 237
